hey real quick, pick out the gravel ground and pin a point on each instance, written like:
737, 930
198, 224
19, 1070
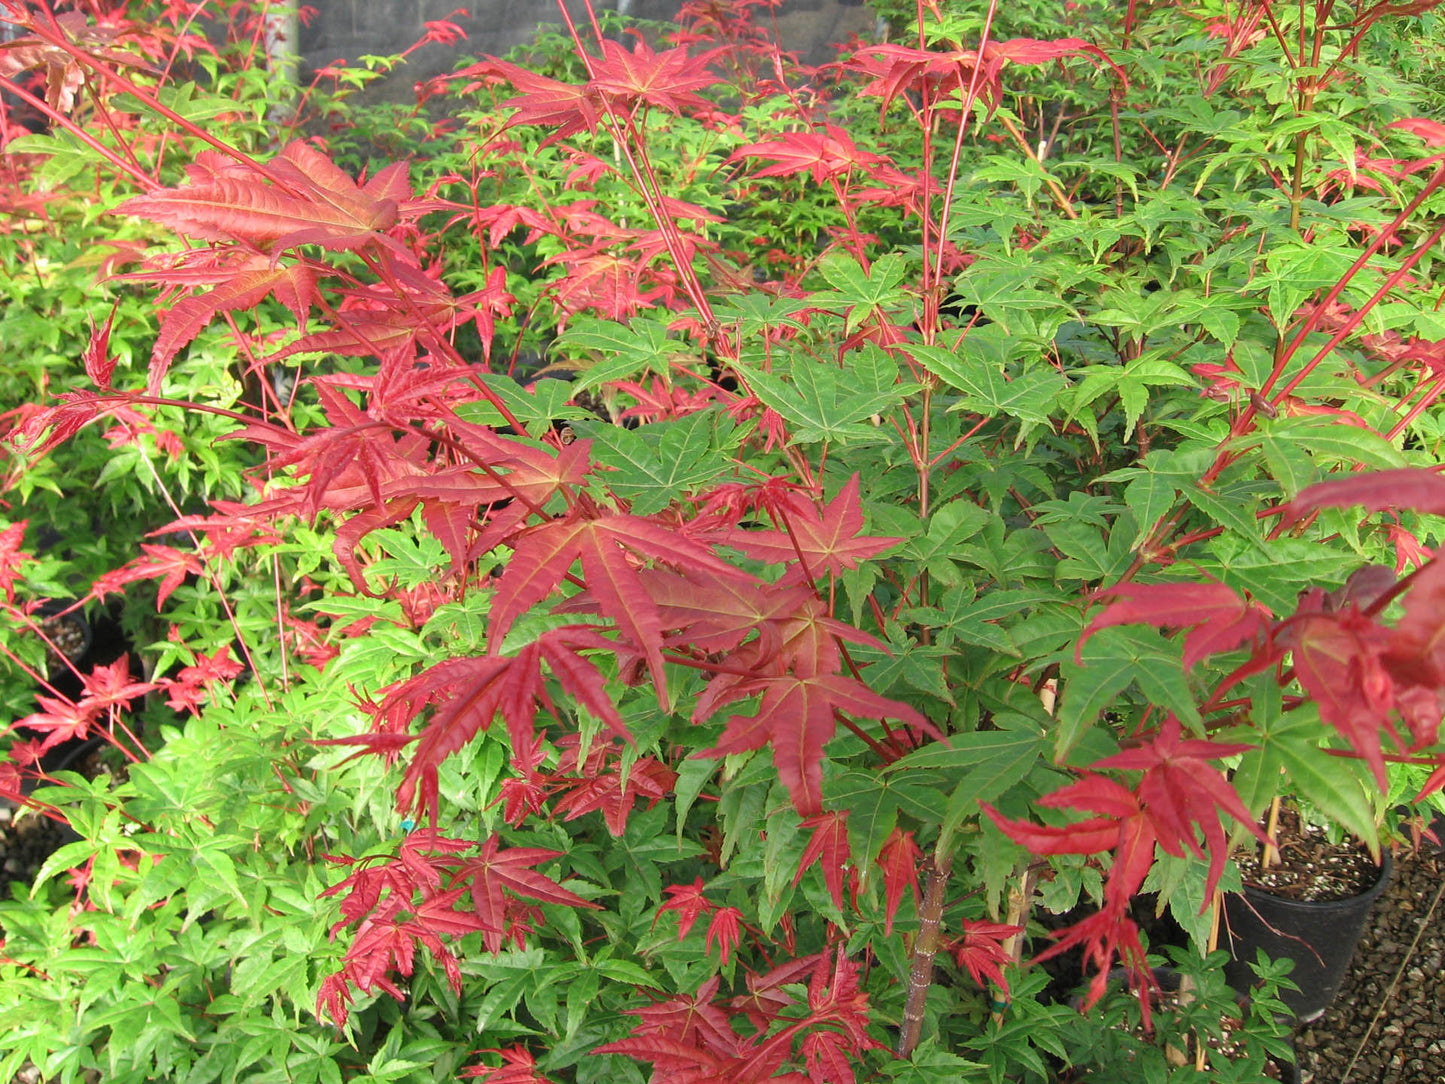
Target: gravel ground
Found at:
1387, 1026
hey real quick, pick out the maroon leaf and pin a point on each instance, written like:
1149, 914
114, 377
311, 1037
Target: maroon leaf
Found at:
494, 874
1218, 618
899, 860
829, 842
1413, 488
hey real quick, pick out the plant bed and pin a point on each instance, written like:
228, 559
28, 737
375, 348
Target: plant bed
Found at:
966, 501
1207, 1027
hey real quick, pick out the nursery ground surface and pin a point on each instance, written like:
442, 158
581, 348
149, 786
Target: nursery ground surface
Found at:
1387, 1026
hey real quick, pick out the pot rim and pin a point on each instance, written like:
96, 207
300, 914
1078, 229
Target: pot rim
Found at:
1387, 868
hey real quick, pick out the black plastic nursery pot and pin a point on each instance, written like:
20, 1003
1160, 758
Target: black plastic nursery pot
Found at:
1320, 937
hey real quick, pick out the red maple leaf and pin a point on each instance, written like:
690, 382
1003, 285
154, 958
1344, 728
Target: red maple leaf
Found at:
1103, 936
689, 1040
899, 862
242, 286
231, 527
495, 874
1124, 827
689, 903
610, 790
899, 68
1181, 788
605, 546
1217, 618
468, 693
110, 686
187, 690
56, 45
663, 80
1431, 131
826, 154
829, 842
59, 720
1338, 658
828, 541
723, 929
716, 613
99, 365
1415, 654
981, 953
310, 202
165, 563
518, 1067
797, 717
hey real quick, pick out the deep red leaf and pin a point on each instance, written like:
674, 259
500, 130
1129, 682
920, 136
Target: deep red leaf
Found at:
797, 718
828, 843
723, 929
689, 903
494, 874
981, 953
1413, 488
1218, 618
899, 861
518, 1067
1338, 660
828, 541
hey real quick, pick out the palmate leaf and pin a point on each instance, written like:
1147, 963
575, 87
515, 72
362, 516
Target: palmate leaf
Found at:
824, 154
828, 843
495, 873
1337, 660
544, 555
899, 860
1112, 661
653, 465
294, 286
797, 718
976, 367
314, 203
469, 693
828, 542
822, 401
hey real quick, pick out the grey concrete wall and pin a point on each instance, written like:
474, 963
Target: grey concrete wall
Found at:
348, 29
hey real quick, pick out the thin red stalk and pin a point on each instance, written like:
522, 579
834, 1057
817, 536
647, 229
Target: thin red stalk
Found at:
1358, 316
61, 120
1243, 423
1433, 389
149, 100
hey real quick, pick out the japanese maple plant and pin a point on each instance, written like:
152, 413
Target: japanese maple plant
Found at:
725, 544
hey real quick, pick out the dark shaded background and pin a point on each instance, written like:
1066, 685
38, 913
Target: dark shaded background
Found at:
349, 29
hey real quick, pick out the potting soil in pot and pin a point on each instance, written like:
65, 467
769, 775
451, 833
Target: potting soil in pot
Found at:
1310, 869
